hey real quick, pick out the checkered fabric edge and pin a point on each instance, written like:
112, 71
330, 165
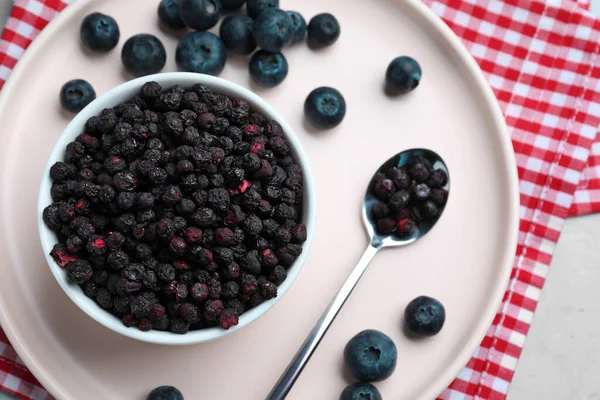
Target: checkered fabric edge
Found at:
542, 60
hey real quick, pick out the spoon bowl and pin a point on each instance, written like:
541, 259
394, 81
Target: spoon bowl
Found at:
401, 160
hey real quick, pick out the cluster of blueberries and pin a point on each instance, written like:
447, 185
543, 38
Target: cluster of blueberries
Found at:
265, 26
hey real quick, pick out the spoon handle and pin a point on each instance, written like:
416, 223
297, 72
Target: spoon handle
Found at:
291, 374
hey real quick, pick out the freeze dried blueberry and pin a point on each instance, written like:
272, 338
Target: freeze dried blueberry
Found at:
268, 290
96, 245
399, 200
74, 244
79, 271
278, 275
204, 217
157, 175
189, 313
124, 223
165, 228
386, 226
179, 326
251, 263
177, 246
430, 209
134, 272
406, 226
212, 309
288, 254
252, 225
234, 216
86, 174
60, 171
51, 217
284, 212
125, 200
269, 259
399, 176
231, 271
199, 292
140, 306
228, 318
421, 192
214, 289
165, 272
380, 210
90, 289
437, 179
384, 189
419, 172
298, 234
439, 196
193, 235
104, 298
124, 287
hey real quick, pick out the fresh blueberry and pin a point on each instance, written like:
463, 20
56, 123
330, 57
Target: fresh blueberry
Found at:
268, 69
200, 15
201, 52
425, 316
236, 34
76, 94
255, 7
143, 54
299, 26
360, 391
323, 30
100, 32
232, 4
168, 13
273, 30
325, 108
370, 356
165, 393
403, 75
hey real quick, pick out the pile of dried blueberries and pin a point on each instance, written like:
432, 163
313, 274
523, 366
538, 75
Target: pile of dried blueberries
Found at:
178, 210
408, 196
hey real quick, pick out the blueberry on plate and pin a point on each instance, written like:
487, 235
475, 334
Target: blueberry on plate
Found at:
323, 30
232, 4
143, 54
360, 391
425, 316
201, 52
403, 75
299, 26
236, 34
370, 356
325, 108
165, 393
268, 69
255, 7
168, 13
273, 30
200, 14
99, 32
76, 94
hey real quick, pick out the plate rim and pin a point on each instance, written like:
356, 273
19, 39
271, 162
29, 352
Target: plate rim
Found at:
453, 43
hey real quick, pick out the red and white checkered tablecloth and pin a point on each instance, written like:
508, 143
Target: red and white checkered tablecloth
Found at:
542, 58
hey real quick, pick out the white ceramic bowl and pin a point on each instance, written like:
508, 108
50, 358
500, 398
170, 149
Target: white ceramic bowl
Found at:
116, 96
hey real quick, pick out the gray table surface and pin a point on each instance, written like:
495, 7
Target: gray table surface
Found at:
561, 359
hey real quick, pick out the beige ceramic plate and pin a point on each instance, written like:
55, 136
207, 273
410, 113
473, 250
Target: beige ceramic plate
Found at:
464, 262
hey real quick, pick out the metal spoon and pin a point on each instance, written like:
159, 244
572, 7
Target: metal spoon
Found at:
378, 242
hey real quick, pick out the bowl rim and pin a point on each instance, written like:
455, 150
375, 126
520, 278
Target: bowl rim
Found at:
116, 96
